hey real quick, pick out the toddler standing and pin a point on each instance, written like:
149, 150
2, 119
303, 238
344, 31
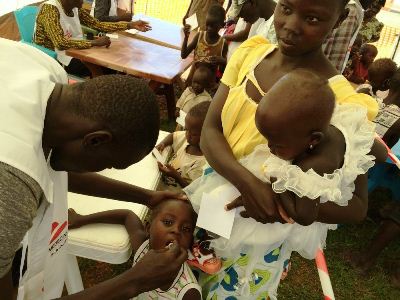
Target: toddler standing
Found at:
209, 47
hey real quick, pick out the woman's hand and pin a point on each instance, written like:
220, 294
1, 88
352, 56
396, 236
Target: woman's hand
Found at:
139, 25
101, 41
259, 201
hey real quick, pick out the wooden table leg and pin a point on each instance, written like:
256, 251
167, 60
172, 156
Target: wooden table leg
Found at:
170, 95
94, 69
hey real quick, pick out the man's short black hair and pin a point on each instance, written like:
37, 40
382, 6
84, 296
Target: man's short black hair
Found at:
125, 105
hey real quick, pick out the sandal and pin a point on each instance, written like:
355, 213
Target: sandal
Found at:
203, 258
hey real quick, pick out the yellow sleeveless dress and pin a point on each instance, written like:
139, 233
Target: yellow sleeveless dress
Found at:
239, 110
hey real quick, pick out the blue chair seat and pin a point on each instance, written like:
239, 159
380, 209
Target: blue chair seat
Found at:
26, 17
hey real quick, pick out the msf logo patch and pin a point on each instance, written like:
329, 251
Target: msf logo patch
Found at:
59, 235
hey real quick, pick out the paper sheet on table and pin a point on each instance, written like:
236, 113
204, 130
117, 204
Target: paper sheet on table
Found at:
181, 119
212, 214
112, 35
192, 21
132, 31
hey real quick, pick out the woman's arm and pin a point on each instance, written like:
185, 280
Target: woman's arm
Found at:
91, 22
257, 197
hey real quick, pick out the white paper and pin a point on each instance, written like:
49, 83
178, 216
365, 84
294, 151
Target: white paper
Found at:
132, 31
212, 214
192, 21
112, 35
181, 119
158, 156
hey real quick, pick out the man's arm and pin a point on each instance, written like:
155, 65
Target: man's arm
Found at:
96, 185
6, 286
19, 199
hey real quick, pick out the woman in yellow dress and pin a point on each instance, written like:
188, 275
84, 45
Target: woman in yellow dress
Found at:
230, 133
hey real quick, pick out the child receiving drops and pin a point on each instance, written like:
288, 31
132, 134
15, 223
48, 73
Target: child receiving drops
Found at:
172, 221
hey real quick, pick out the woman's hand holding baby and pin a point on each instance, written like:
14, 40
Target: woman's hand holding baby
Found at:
259, 201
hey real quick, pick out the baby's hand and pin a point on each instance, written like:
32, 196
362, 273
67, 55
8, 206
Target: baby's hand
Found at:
186, 30
160, 147
74, 219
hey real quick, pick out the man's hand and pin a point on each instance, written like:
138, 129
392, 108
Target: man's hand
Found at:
101, 41
259, 201
160, 196
140, 25
157, 268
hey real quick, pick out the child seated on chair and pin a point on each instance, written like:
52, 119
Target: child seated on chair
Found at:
188, 159
209, 47
358, 72
172, 221
379, 74
314, 154
195, 93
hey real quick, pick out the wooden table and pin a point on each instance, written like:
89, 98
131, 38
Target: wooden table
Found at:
142, 59
163, 33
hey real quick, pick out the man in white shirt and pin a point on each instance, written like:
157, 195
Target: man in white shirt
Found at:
52, 136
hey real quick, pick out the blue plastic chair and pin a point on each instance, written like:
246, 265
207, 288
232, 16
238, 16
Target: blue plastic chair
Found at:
26, 17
